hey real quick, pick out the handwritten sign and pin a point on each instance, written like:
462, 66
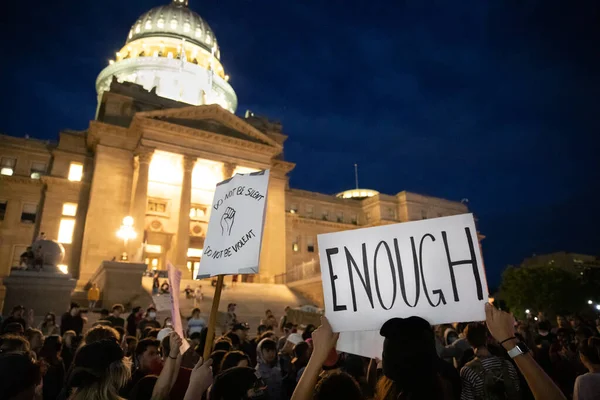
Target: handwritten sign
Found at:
234, 235
175, 284
430, 268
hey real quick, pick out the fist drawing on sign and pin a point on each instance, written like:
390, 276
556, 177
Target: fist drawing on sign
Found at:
227, 221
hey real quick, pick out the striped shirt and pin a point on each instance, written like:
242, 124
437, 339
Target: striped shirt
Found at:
472, 381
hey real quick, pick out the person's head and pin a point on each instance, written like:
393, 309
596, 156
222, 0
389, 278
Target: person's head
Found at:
241, 330
35, 337
307, 334
18, 311
287, 328
261, 329
476, 334
94, 286
51, 349
562, 321
147, 355
589, 353
50, 319
238, 383
337, 385
582, 334
101, 332
217, 358
74, 309
68, 338
234, 339
575, 321
19, 376
544, 327
137, 311
13, 344
167, 323
222, 344
301, 353
143, 389
268, 313
131, 342
231, 307
196, 313
195, 338
151, 313
104, 313
286, 309
409, 356
99, 370
235, 359
117, 310
268, 350
14, 328
267, 335
563, 336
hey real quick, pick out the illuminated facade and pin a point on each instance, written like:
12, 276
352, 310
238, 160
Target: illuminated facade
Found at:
156, 156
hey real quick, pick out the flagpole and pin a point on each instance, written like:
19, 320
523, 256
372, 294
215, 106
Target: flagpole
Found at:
212, 321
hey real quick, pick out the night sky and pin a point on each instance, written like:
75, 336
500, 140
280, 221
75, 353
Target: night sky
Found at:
494, 101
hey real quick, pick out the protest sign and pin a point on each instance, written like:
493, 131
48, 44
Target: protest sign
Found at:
162, 302
361, 343
234, 235
175, 283
430, 268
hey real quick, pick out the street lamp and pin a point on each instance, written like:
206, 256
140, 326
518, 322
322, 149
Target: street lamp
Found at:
598, 307
590, 302
527, 311
126, 232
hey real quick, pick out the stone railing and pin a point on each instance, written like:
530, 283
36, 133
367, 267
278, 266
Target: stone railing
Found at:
306, 270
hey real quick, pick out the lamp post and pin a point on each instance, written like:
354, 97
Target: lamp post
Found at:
126, 232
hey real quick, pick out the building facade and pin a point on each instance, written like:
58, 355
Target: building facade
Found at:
156, 155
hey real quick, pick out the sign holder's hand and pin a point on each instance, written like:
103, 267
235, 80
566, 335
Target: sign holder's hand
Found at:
500, 324
200, 379
323, 340
175, 343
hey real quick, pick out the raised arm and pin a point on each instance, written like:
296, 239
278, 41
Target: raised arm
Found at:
323, 341
168, 375
501, 326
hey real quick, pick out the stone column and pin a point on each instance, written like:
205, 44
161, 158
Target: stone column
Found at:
183, 228
140, 199
228, 169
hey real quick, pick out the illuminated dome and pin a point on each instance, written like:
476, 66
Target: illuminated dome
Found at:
172, 49
357, 193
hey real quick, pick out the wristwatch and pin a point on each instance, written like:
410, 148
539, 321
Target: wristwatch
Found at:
520, 348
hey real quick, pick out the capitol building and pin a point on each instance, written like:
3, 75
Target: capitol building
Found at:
165, 132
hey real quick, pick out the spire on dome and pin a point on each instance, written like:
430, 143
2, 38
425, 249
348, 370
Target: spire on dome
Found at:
180, 3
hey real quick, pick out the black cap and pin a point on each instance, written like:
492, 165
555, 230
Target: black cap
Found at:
233, 383
74, 305
242, 325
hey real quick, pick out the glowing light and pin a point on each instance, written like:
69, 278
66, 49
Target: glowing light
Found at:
166, 168
69, 209
65, 230
227, 77
153, 248
75, 172
194, 253
128, 221
148, 24
186, 27
6, 171
137, 28
590, 302
173, 24
126, 231
598, 307
160, 23
535, 318
527, 311
64, 268
111, 62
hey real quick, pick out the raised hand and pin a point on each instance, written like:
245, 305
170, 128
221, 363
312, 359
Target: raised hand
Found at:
175, 343
323, 340
200, 379
227, 221
500, 324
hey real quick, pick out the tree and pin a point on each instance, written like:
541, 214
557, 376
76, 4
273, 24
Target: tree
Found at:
542, 288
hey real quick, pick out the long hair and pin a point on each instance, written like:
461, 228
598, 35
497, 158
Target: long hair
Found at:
89, 386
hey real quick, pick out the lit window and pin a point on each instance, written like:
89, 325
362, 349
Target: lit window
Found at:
310, 245
153, 248
170, 54
173, 23
197, 212
294, 208
37, 170
65, 230
130, 34
160, 23
3, 204
69, 209
154, 262
157, 206
208, 39
148, 24
29, 213
186, 27
194, 253
155, 53
75, 171
295, 247
198, 32
7, 165
64, 268
137, 28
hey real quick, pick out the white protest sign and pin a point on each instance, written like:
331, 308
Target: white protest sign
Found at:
362, 343
430, 268
235, 228
175, 283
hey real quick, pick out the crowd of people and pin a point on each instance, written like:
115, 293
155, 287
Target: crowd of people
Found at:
138, 357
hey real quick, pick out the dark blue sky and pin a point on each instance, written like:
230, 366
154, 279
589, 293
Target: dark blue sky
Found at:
494, 101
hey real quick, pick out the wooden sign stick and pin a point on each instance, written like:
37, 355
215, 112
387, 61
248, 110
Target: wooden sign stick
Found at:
212, 322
